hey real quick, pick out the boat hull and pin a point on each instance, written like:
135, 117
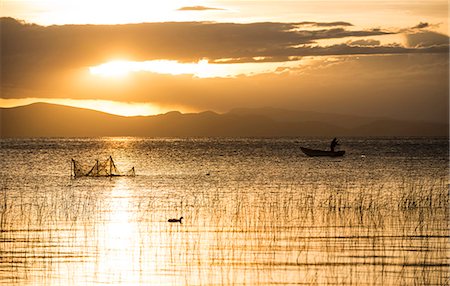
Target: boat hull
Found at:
321, 153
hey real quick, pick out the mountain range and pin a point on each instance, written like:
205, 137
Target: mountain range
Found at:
51, 120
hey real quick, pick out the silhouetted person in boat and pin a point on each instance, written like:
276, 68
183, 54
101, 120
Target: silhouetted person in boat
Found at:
333, 144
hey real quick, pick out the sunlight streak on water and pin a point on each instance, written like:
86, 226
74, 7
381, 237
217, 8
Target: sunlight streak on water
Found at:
119, 240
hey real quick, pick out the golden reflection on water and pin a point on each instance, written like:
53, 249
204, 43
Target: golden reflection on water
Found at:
129, 250
118, 240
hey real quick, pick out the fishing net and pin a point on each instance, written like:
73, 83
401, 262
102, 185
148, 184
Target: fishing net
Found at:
106, 168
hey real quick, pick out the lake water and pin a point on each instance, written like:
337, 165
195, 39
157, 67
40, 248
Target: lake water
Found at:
256, 212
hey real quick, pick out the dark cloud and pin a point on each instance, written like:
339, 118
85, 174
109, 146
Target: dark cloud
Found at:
421, 25
325, 24
198, 8
426, 39
288, 54
364, 42
31, 54
89, 44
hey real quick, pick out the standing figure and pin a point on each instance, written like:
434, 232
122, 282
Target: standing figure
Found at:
333, 144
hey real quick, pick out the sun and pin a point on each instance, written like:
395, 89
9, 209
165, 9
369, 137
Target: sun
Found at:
115, 68
121, 68
199, 69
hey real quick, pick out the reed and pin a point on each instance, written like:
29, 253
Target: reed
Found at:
320, 234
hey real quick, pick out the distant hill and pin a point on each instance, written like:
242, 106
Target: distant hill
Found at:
49, 120
283, 115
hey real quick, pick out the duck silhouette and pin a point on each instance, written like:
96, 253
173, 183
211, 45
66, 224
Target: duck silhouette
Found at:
175, 220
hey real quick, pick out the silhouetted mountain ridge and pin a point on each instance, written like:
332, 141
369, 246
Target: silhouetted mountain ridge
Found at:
49, 120
285, 115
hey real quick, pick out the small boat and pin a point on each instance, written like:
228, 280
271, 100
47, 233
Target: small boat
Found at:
317, 153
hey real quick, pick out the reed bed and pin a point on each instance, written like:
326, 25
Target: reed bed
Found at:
316, 234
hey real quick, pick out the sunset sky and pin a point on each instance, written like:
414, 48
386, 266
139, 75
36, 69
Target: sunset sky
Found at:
136, 57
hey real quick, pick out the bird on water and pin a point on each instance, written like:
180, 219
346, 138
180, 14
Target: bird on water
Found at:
175, 220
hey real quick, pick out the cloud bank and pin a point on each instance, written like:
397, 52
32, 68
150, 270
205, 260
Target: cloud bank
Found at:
29, 49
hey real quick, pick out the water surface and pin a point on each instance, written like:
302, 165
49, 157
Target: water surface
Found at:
256, 212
